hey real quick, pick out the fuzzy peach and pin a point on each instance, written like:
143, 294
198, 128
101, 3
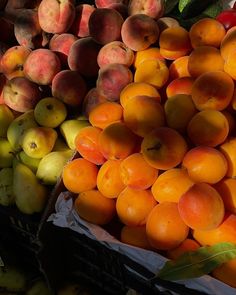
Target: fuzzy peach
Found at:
153, 8
91, 100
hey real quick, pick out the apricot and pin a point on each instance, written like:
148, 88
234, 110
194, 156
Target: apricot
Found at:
225, 232
117, 141
138, 88
152, 71
179, 68
174, 42
149, 53
228, 149
228, 43
186, 246
208, 127
133, 206
226, 273
207, 31
201, 207
165, 228
227, 189
86, 143
136, 173
148, 114
93, 207
109, 182
135, 236
106, 113
171, 184
182, 85
229, 65
204, 59
205, 164
91, 100
179, 110
164, 148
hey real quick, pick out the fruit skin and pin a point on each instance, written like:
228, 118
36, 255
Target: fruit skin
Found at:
32, 163
30, 195
6, 153
38, 141
6, 187
6, 117
227, 17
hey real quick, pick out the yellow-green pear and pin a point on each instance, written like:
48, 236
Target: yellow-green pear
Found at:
6, 187
30, 195
6, 153
50, 112
70, 128
51, 166
17, 128
12, 278
39, 288
6, 117
60, 145
38, 141
32, 163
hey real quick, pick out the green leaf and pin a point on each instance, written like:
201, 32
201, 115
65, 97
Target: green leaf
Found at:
170, 5
183, 4
214, 9
192, 8
196, 263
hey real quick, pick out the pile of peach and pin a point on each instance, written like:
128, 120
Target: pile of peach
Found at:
160, 152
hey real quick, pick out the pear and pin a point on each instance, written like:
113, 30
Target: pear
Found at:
70, 128
17, 128
60, 145
38, 141
30, 194
39, 288
6, 153
6, 187
51, 166
6, 117
32, 163
12, 278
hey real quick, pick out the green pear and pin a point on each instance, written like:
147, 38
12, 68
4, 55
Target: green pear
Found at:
70, 128
32, 163
39, 288
51, 166
30, 194
6, 117
12, 278
17, 128
50, 112
60, 145
38, 141
6, 153
6, 187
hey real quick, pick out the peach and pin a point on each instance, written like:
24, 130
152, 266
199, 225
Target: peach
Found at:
91, 100
80, 27
167, 22
152, 71
56, 17
61, 44
213, 90
142, 114
201, 207
3, 81
7, 31
174, 42
112, 79
41, 66
149, 53
179, 68
105, 3
152, 8
21, 94
70, 87
117, 141
115, 52
13, 6
228, 149
121, 8
3, 49
13, 60
182, 85
82, 57
208, 127
205, 164
139, 31
164, 148
110, 22
3, 4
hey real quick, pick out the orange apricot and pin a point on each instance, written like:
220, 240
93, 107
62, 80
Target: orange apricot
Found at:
149, 53
208, 127
93, 207
138, 88
165, 228
136, 173
117, 141
229, 65
142, 114
213, 90
228, 148
226, 273
182, 85
227, 189
205, 164
179, 68
135, 236
179, 110
109, 182
163, 148
133, 206
231, 120
106, 113
86, 143
171, 185
92, 99
228, 43
174, 42
207, 31
186, 246
79, 175
204, 59
201, 207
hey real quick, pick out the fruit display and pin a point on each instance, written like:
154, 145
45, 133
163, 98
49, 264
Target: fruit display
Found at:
131, 104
